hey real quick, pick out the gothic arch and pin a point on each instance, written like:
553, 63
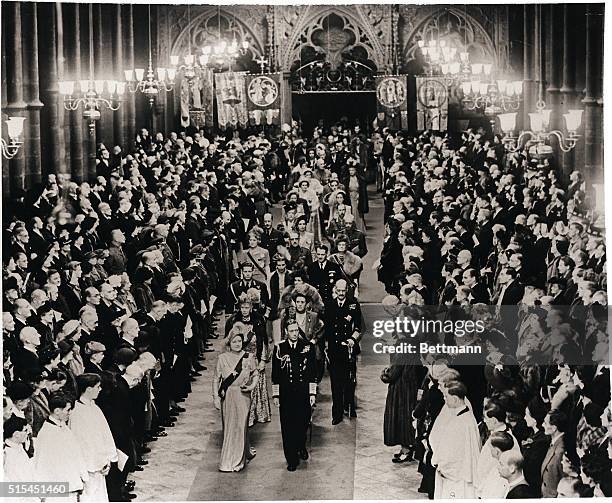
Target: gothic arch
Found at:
469, 30
203, 28
313, 19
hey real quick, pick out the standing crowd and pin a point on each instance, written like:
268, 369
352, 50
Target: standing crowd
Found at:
113, 290
480, 232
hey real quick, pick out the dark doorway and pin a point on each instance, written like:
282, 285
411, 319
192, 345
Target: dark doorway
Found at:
332, 107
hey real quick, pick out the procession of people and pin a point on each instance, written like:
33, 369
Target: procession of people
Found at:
116, 289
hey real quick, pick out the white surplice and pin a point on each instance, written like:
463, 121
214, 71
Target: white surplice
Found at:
91, 429
58, 457
455, 443
489, 483
18, 467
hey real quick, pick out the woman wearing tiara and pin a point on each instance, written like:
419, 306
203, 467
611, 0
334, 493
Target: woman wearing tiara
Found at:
235, 378
253, 325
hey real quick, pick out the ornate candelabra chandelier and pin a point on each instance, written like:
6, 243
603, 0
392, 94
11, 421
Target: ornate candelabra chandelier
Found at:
91, 94
539, 120
223, 52
492, 95
192, 64
539, 134
441, 59
153, 81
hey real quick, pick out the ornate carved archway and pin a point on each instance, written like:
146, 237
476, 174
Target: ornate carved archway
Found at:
332, 31
204, 29
457, 27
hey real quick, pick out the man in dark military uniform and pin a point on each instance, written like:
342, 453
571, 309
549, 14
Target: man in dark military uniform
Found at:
342, 321
294, 387
242, 286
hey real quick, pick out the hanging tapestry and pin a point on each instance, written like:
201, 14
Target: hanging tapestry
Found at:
432, 104
206, 89
197, 100
392, 99
231, 99
264, 98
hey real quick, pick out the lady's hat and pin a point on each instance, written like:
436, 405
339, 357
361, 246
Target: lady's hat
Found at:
70, 327
94, 347
303, 180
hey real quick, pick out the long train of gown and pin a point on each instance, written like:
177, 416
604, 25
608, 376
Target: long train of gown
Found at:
234, 415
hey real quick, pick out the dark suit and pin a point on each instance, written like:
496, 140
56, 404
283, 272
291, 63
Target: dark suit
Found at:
324, 279
24, 361
341, 322
551, 471
293, 382
116, 262
275, 292
513, 294
522, 491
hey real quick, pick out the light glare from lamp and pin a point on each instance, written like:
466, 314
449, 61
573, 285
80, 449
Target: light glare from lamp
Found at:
507, 122
14, 125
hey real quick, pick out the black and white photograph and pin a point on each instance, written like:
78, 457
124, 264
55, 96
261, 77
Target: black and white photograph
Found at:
304, 251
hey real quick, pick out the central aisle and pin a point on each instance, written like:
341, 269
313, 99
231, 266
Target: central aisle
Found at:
347, 461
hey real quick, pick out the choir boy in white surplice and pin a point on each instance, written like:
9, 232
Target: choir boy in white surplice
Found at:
18, 467
455, 443
91, 429
57, 452
489, 483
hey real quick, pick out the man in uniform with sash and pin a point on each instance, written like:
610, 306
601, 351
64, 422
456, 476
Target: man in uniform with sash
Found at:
294, 388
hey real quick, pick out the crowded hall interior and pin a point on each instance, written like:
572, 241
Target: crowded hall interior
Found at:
207, 208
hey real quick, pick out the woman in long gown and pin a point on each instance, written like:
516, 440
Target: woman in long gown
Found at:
256, 343
235, 378
358, 196
305, 191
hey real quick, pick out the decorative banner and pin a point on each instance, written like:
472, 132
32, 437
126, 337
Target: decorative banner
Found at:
197, 100
231, 99
432, 104
392, 99
206, 85
264, 98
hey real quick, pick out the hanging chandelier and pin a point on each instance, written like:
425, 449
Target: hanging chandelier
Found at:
14, 126
539, 122
539, 134
191, 65
153, 81
443, 59
492, 95
224, 52
91, 94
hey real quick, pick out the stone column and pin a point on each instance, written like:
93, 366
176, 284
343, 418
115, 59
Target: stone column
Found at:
54, 144
75, 119
529, 91
120, 125
286, 103
554, 23
130, 103
5, 165
593, 131
32, 124
16, 105
568, 88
